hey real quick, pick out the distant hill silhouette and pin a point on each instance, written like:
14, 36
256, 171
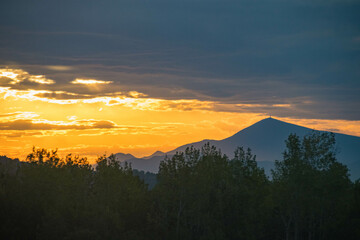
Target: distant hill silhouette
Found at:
122, 157
266, 139
9, 165
155, 154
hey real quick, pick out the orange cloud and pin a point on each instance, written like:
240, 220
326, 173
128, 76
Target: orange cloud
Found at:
40, 124
59, 68
336, 125
40, 79
152, 104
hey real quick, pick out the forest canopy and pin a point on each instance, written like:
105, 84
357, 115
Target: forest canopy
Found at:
197, 194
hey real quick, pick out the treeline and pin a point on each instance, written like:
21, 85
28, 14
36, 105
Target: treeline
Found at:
198, 194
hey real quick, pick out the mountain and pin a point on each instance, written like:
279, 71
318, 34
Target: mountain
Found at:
155, 154
146, 165
122, 157
266, 139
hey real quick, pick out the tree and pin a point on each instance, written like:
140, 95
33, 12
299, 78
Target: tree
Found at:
201, 194
119, 200
249, 205
309, 186
173, 193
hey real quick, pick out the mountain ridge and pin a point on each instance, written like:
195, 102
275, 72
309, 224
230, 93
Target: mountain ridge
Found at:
122, 157
266, 139
157, 153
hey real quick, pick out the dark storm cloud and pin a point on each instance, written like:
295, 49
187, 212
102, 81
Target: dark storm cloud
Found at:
254, 52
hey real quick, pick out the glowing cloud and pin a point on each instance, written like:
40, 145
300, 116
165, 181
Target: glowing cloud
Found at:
17, 76
149, 104
43, 124
282, 105
41, 79
59, 68
136, 94
89, 81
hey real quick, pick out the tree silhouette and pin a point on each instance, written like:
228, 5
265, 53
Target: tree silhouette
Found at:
199, 194
310, 187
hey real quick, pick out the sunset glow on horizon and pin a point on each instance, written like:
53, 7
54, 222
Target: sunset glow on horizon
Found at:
91, 124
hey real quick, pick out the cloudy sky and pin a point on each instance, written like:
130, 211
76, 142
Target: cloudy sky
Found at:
94, 77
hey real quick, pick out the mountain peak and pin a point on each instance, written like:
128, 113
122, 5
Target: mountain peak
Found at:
270, 120
158, 152
270, 125
155, 154
266, 139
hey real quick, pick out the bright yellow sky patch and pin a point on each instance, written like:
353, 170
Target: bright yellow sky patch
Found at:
89, 81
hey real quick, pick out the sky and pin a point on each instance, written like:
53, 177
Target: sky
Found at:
94, 77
